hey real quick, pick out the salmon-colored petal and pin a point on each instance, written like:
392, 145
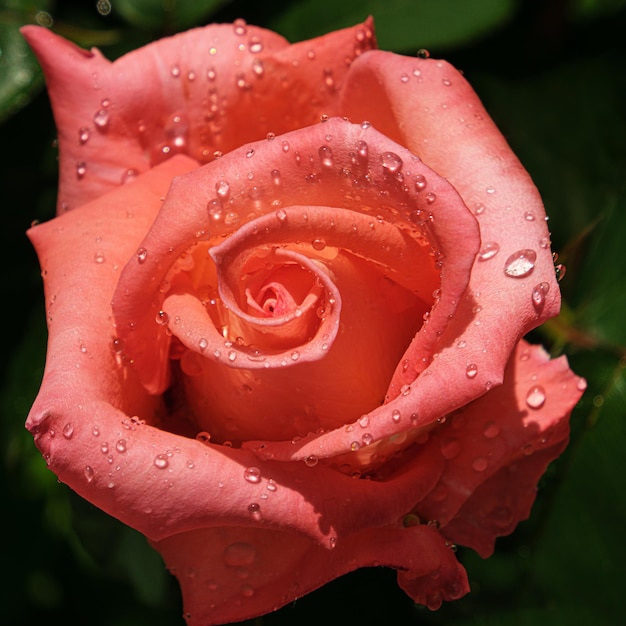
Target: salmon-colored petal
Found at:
304, 178
498, 446
198, 93
229, 574
427, 105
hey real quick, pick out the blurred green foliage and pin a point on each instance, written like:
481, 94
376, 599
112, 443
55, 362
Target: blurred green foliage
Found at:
552, 75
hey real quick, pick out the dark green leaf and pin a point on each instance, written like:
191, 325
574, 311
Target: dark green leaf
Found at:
165, 16
400, 24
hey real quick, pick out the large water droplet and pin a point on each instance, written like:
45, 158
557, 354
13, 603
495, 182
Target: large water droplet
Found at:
490, 249
471, 370
520, 263
480, 464
539, 294
536, 397
142, 255
491, 430
120, 446
222, 189
101, 119
68, 430
326, 156
391, 162
252, 474
160, 461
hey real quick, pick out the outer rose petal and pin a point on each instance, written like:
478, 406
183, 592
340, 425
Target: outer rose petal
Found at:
229, 574
206, 90
428, 106
497, 448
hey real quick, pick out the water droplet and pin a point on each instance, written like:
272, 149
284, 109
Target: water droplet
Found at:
581, 385
142, 255
252, 475
318, 244
83, 135
430, 198
311, 461
471, 370
450, 448
255, 45
396, 415
364, 421
422, 53
491, 430
391, 162
98, 257
120, 446
81, 169
255, 510
281, 215
480, 464
529, 216
536, 397
539, 294
249, 153
326, 156
161, 461
520, 263
68, 430
240, 27
295, 355
222, 189
367, 439
101, 119
446, 82
203, 437
247, 591
490, 249
420, 182
239, 554
162, 318
89, 473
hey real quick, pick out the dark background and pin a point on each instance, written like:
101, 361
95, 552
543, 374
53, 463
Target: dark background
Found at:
552, 74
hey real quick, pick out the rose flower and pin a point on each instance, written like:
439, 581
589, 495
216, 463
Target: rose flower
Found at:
286, 292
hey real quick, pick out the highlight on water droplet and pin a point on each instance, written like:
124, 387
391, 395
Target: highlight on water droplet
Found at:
536, 397
520, 264
471, 370
539, 294
252, 474
161, 461
391, 162
489, 250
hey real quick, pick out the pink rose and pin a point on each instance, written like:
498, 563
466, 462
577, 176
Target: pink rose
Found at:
305, 356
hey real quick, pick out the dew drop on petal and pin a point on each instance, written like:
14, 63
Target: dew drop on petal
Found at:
161, 461
310, 461
142, 255
471, 370
536, 397
222, 189
450, 448
489, 250
252, 474
391, 162
539, 294
120, 446
480, 464
491, 430
101, 119
520, 263
89, 473
83, 134
68, 430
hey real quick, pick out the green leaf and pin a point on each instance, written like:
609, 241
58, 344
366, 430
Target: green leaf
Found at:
20, 76
165, 16
400, 24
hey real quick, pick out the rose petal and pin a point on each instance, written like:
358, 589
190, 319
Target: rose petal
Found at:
428, 106
229, 574
117, 119
183, 219
498, 446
